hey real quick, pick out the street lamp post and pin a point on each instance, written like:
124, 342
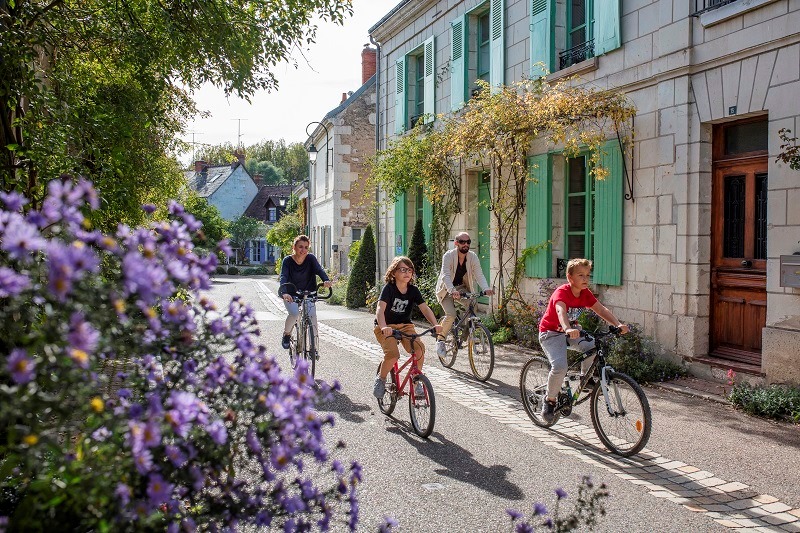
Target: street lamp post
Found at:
312, 150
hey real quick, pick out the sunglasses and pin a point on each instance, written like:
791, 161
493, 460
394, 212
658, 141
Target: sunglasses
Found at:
403, 270
467, 241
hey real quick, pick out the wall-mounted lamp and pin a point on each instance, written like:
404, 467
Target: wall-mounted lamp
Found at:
312, 150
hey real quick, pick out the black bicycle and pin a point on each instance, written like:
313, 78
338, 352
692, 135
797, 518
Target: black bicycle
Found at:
302, 340
469, 329
619, 408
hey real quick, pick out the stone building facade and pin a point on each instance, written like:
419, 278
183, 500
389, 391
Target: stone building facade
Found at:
701, 253
339, 198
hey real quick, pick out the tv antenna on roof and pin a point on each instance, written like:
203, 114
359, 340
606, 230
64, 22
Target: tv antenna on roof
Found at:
239, 133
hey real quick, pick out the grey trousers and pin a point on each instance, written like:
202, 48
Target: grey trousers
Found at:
554, 345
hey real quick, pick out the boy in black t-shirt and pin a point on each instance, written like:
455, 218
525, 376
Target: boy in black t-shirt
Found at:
394, 312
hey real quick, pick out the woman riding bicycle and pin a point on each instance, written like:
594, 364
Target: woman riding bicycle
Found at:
394, 312
301, 270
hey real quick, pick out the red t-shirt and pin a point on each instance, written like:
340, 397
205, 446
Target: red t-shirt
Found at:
564, 294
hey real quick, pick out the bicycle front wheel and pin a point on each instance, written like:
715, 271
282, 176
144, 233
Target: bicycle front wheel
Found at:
624, 424
481, 351
533, 387
295, 346
310, 352
389, 400
451, 349
422, 408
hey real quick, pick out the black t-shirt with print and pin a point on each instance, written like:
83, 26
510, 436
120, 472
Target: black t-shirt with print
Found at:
398, 305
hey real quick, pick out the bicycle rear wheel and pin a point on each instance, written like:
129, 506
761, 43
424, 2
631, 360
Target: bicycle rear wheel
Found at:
533, 387
451, 347
389, 400
481, 351
422, 409
626, 429
295, 346
310, 351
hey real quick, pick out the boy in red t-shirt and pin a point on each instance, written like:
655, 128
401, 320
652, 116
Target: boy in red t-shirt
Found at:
555, 324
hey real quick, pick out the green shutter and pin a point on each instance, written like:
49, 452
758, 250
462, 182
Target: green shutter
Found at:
458, 63
608, 218
427, 218
497, 62
542, 35
400, 96
606, 26
400, 215
538, 214
430, 81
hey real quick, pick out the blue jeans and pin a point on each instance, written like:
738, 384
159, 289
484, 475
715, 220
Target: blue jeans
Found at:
294, 313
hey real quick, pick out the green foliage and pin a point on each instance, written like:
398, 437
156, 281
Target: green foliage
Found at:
427, 286
233, 271
271, 175
790, 151
220, 270
244, 229
215, 228
362, 277
418, 249
503, 335
635, 354
276, 161
339, 288
490, 322
102, 88
283, 232
352, 253
372, 298
261, 270
773, 401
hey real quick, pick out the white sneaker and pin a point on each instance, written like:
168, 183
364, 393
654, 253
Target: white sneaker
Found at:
441, 349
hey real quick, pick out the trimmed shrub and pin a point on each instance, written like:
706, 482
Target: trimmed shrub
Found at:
339, 288
635, 354
418, 250
362, 278
220, 270
233, 271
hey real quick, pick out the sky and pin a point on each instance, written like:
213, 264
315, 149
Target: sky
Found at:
332, 66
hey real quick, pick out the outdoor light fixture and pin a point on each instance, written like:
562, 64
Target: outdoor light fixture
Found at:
312, 150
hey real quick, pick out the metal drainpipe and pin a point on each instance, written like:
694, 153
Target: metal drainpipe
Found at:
377, 148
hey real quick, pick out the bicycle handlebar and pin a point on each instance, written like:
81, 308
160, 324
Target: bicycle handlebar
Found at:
397, 334
472, 294
612, 330
300, 295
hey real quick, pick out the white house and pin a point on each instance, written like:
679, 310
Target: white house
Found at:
229, 188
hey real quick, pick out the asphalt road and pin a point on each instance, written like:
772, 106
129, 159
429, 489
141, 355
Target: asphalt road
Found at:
485, 455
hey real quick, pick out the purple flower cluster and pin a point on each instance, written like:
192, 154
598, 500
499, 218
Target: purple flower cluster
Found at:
203, 429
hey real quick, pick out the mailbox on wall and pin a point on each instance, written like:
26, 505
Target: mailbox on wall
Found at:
790, 271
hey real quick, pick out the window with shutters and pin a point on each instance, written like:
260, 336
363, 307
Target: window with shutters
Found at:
415, 80
484, 52
580, 40
580, 207
417, 65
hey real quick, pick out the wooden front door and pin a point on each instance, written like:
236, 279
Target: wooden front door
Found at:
739, 259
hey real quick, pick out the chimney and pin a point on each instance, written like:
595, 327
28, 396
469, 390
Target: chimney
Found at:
200, 165
344, 97
258, 179
369, 57
239, 158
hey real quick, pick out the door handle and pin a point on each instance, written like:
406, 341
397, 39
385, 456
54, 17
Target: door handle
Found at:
746, 263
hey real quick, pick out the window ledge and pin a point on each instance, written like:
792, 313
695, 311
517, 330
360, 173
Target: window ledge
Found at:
587, 65
729, 11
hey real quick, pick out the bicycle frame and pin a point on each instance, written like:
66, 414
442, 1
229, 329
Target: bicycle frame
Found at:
412, 372
469, 313
598, 367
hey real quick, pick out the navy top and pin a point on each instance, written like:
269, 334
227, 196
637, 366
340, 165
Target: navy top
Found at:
304, 276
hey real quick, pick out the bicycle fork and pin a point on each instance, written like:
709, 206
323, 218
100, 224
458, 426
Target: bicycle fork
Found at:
620, 411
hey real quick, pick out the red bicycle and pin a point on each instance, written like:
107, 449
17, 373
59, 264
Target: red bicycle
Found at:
421, 401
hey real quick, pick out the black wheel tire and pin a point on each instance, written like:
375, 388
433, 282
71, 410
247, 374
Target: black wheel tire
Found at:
310, 352
422, 410
533, 388
481, 352
451, 345
389, 400
294, 346
628, 433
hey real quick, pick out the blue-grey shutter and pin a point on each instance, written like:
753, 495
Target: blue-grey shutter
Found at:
458, 63
542, 36
497, 63
430, 80
606, 26
538, 214
400, 96
607, 269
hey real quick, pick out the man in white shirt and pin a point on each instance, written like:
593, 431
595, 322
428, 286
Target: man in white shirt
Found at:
461, 271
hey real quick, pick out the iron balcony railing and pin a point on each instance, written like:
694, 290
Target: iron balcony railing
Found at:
576, 54
701, 6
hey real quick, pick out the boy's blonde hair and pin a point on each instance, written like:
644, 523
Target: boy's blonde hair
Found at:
575, 263
396, 263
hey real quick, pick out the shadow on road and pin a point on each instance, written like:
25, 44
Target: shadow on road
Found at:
342, 405
459, 464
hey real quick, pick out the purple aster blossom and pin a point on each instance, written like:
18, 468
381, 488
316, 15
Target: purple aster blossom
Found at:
218, 432
101, 434
523, 527
143, 460
263, 518
13, 200
123, 493
192, 224
20, 366
81, 333
149, 208
224, 247
21, 239
142, 277
539, 509
158, 490
561, 493
175, 455
514, 514
355, 470
12, 283
387, 525
175, 208
252, 441
151, 434
188, 525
